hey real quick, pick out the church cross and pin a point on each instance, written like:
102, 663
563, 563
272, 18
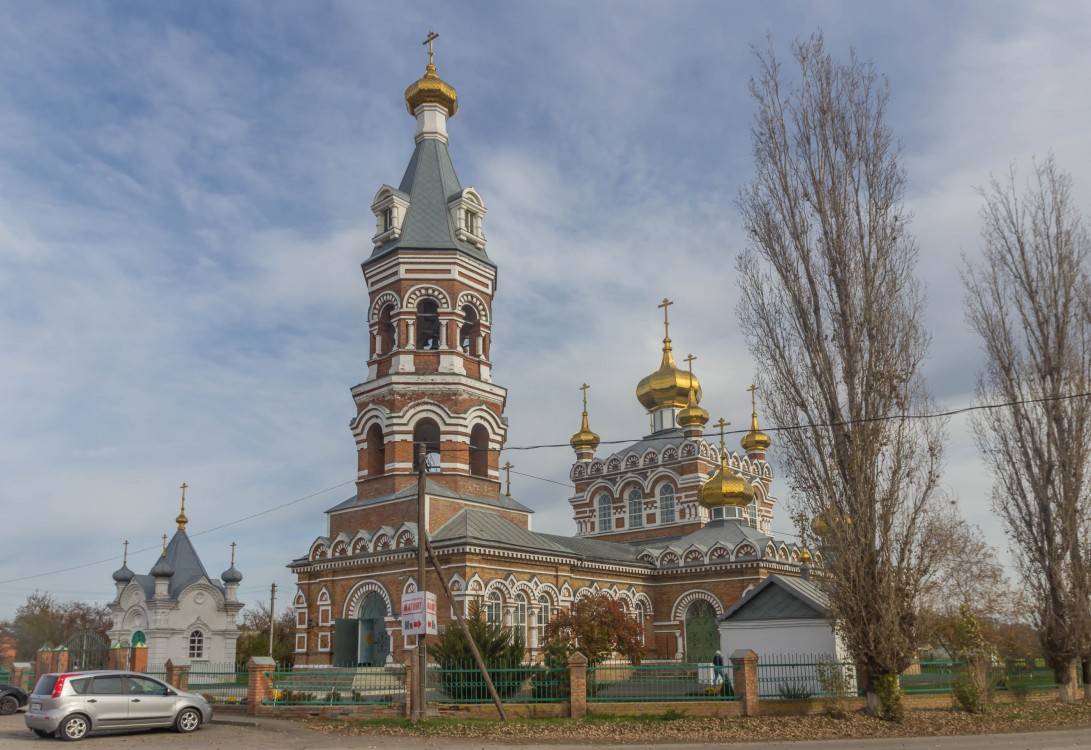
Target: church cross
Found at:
183, 488
508, 466
232, 553
432, 36
689, 360
584, 388
753, 404
164, 545
125, 555
722, 424
666, 319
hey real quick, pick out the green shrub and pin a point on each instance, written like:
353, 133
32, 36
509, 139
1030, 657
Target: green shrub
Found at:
553, 683
970, 696
501, 650
795, 691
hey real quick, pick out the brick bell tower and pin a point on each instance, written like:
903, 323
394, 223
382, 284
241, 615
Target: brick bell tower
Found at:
430, 290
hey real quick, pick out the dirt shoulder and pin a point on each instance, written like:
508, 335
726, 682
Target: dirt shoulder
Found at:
672, 729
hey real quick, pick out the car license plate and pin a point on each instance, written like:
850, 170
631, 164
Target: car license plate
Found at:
35, 706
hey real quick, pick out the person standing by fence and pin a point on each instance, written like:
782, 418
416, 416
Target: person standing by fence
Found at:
717, 668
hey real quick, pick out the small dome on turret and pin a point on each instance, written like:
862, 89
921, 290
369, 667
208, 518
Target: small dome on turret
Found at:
123, 574
755, 440
162, 568
431, 89
693, 415
725, 487
584, 439
231, 575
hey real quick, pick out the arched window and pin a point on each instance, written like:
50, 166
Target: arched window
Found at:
493, 608
467, 335
666, 504
426, 432
428, 324
636, 509
387, 337
479, 451
376, 451
519, 620
196, 645
544, 614
604, 512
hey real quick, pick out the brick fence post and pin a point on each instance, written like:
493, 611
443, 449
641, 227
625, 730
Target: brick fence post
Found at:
177, 675
138, 658
259, 685
19, 674
744, 663
119, 656
44, 660
577, 685
61, 658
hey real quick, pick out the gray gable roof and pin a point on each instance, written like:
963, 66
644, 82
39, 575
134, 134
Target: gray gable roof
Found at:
182, 557
436, 490
780, 598
486, 527
730, 532
658, 441
430, 183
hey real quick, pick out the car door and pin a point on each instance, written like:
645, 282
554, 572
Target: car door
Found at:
150, 702
107, 701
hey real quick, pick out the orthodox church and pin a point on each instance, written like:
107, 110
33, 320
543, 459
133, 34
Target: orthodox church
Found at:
177, 610
675, 526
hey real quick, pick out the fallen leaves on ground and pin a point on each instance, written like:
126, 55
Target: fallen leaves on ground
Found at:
998, 719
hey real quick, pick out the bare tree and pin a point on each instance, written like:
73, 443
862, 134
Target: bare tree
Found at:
1028, 300
831, 310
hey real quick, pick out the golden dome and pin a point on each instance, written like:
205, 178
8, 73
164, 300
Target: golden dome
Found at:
725, 487
755, 440
667, 386
692, 415
804, 555
431, 89
584, 440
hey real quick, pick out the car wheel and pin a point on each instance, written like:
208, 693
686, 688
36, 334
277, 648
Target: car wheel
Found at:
9, 704
42, 733
188, 720
74, 728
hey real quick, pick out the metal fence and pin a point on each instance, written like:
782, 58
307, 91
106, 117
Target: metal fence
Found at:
801, 676
225, 684
1021, 675
337, 686
931, 676
514, 683
5, 676
671, 681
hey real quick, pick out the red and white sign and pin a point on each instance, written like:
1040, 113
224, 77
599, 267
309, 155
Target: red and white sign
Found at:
419, 614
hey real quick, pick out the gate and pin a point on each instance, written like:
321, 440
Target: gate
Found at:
88, 650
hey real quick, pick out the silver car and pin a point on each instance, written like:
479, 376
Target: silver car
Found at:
72, 704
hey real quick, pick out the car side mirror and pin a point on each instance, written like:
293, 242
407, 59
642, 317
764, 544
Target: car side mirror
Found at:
171, 692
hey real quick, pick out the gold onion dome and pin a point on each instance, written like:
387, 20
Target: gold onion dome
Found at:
725, 487
667, 386
755, 439
692, 415
584, 439
431, 89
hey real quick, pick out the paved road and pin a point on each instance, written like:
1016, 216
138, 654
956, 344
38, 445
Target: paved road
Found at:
277, 734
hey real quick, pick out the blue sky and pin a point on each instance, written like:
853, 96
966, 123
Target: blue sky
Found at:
184, 193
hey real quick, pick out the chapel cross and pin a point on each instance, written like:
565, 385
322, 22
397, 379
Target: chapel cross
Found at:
689, 360
508, 466
164, 545
125, 555
722, 424
432, 36
753, 404
584, 388
232, 553
666, 320
801, 520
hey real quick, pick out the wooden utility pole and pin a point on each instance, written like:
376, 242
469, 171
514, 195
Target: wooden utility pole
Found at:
272, 616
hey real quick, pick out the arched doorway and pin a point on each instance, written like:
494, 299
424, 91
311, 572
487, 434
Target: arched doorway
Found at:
374, 643
702, 635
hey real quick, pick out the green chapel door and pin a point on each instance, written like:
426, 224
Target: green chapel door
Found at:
345, 642
702, 635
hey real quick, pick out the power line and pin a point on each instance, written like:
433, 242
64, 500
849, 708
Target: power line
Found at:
199, 533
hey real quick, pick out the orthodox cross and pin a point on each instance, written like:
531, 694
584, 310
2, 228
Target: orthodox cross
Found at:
432, 36
183, 488
689, 361
801, 520
232, 553
753, 403
164, 545
722, 424
508, 466
125, 555
666, 320
584, 388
